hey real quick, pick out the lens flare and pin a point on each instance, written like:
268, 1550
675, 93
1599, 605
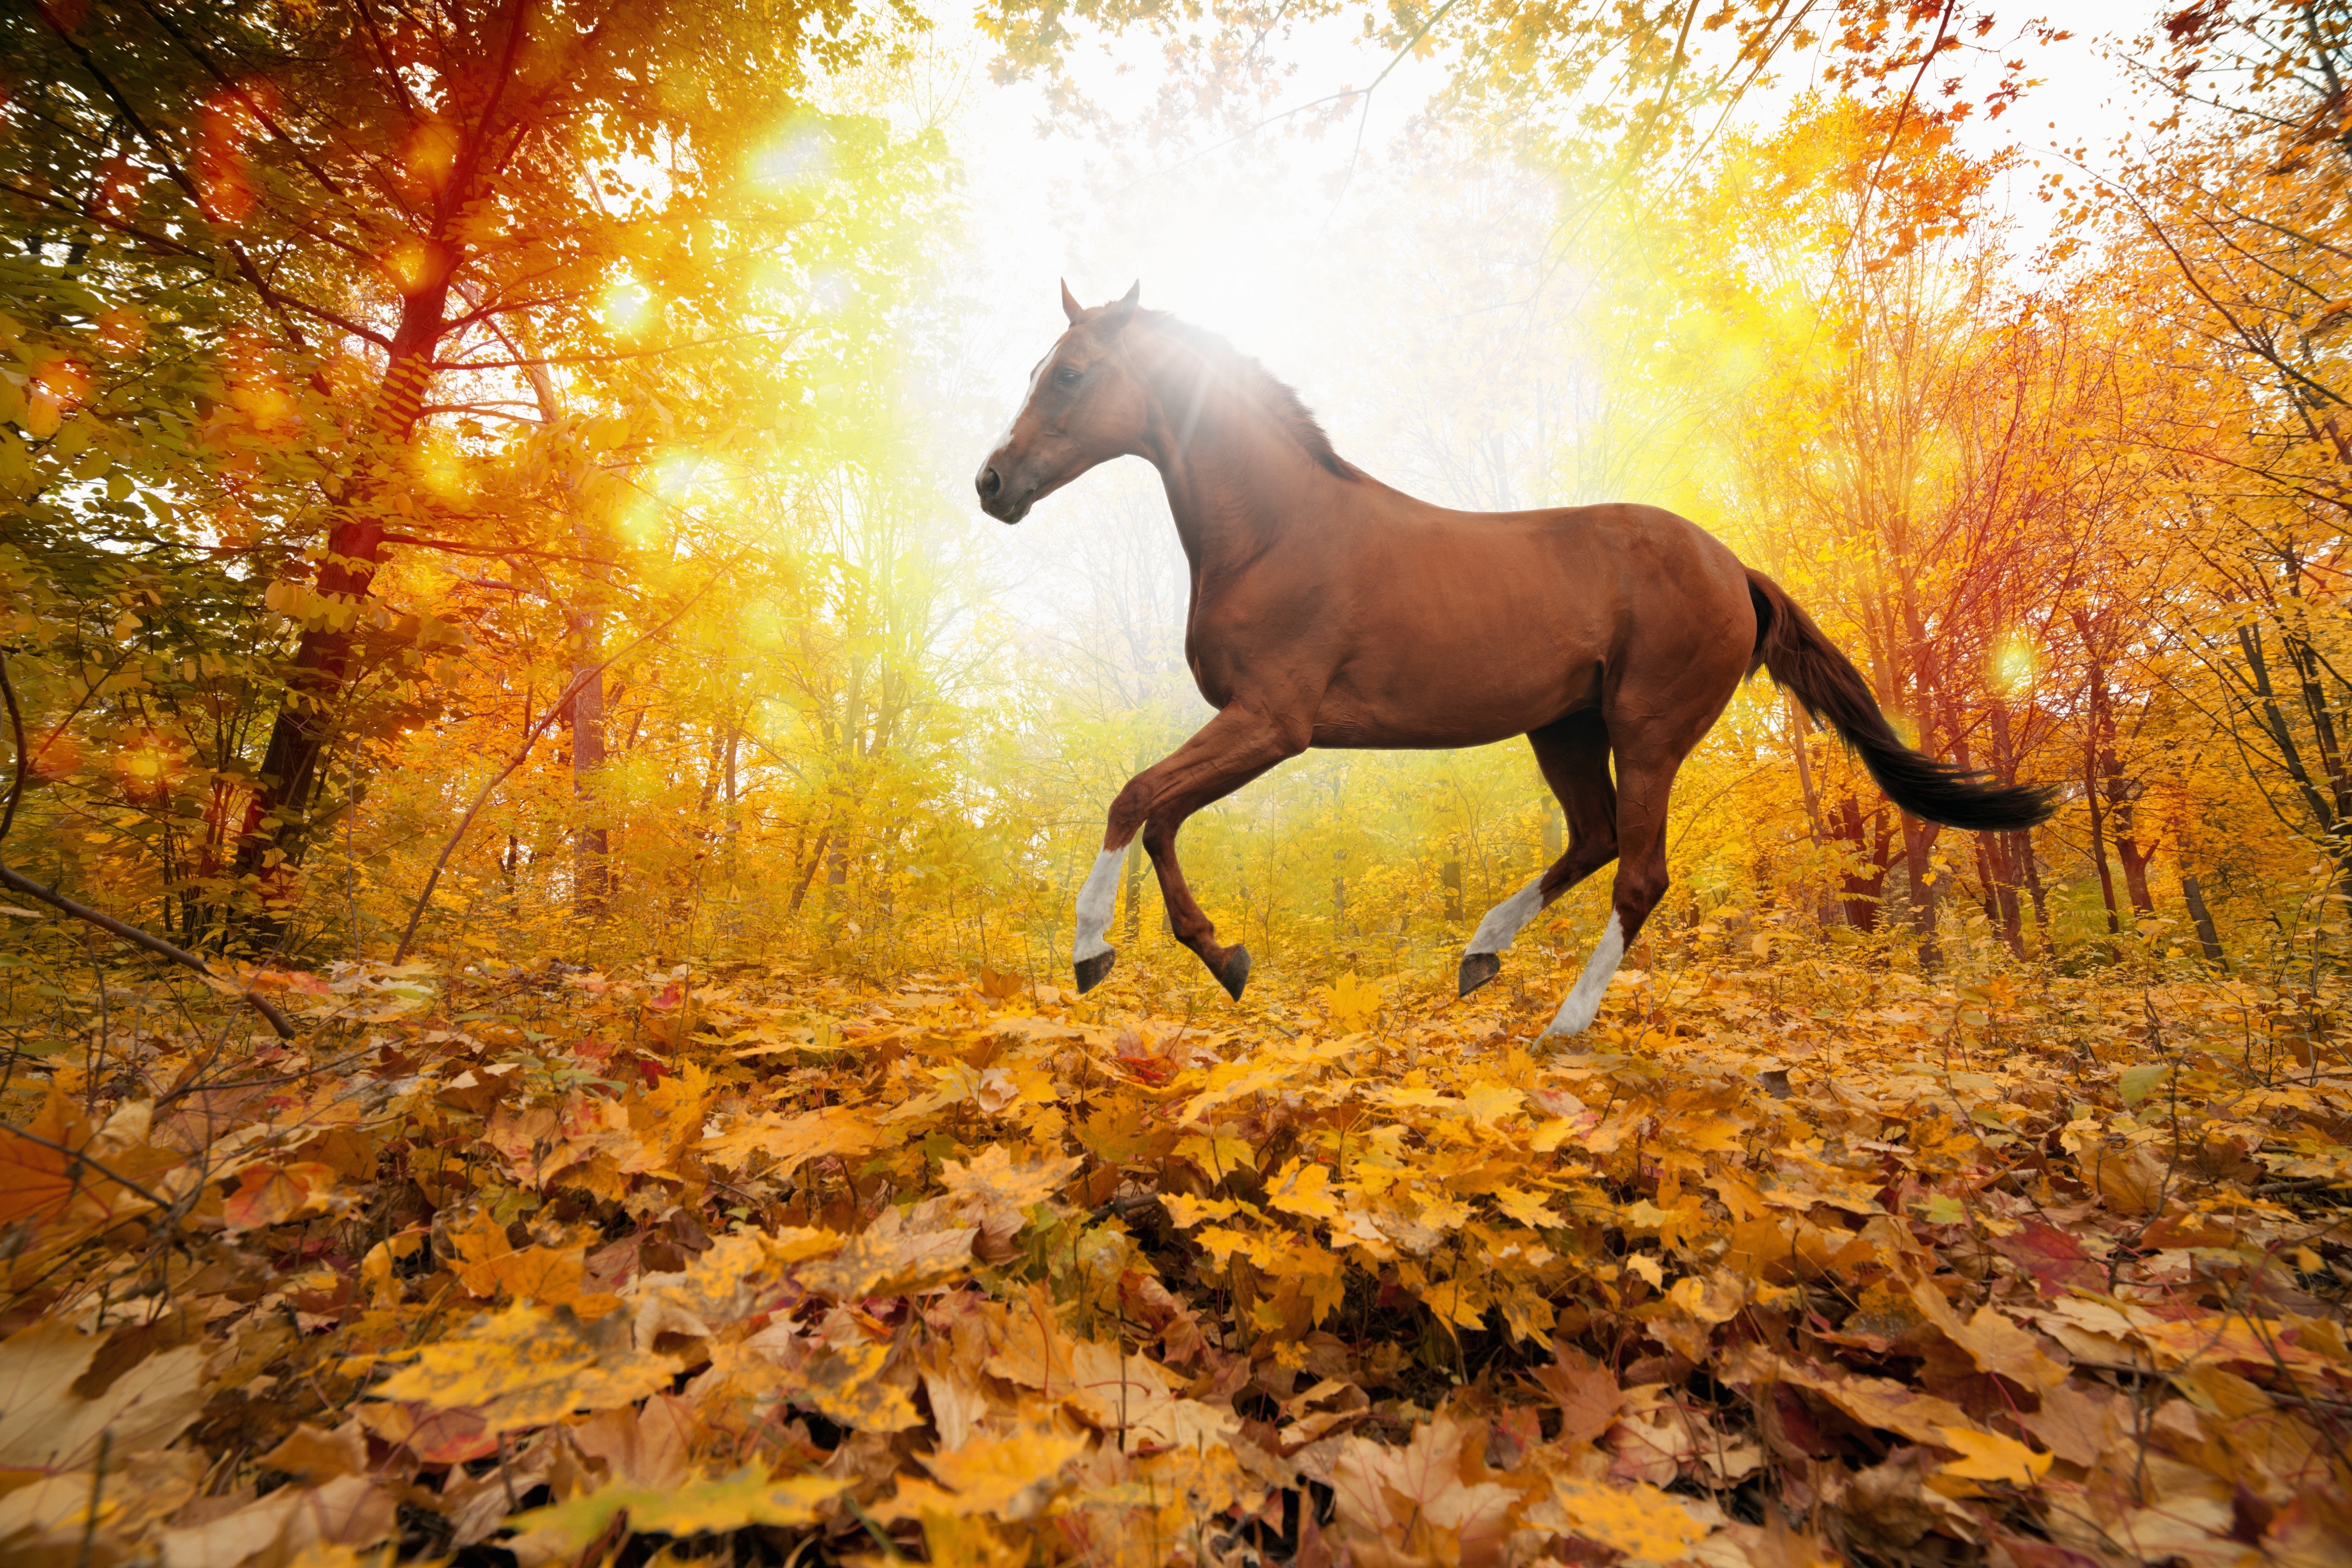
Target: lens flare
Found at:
628, 309
2013, 664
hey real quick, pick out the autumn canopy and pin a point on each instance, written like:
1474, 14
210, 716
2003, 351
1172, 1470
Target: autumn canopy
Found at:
543, 830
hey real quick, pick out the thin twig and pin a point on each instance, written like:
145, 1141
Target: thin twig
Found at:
530, 738
137, 938
80, 1158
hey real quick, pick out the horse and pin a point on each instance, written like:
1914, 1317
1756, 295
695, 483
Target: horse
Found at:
1328, 609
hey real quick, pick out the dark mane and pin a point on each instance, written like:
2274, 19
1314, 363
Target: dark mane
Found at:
1277, 397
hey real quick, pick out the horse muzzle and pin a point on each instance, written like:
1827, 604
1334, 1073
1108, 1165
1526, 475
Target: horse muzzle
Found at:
998, 498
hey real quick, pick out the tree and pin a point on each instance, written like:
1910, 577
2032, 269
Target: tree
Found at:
360, 220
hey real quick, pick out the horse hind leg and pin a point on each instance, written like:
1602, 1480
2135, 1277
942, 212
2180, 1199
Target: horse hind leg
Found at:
1573, 753
1641, 883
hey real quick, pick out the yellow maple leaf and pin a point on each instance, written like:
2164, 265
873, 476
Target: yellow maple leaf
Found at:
1217, 1153
988, 1476
1489, 1102
887, 1259
847, 1385
529, 1366
1531, 1209
712, 1506
1990, 1456
548, 1274
793, 1141
1644, 1523
1303, 1190
1353, 1002
998, 1192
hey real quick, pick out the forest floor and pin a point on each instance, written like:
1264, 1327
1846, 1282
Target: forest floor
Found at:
1798, 1263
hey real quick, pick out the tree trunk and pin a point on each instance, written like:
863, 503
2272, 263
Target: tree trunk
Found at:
1825, 910
2099, 846
808, 875
2135, 862
2192, 893
1918, 844
591, 845
2023, 838
1863, 899
273, 832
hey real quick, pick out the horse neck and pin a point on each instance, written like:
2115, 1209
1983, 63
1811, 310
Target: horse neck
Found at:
1235, 477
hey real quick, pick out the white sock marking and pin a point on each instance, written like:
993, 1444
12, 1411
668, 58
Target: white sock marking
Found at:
1097, 901
1584, 1001
1503, 920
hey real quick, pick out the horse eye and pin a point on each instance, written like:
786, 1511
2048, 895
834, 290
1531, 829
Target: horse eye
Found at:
1067, 376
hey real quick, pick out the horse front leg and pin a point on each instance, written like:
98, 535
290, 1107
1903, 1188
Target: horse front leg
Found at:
1232, 749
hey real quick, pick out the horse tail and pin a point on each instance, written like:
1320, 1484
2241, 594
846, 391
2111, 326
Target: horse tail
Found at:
1804, 661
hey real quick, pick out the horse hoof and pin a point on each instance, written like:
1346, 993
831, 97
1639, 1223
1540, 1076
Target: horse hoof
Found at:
1091, 970
1235, 972
1478, 968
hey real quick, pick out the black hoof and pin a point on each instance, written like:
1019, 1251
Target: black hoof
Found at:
1235, 974
1478, 968
1092, 970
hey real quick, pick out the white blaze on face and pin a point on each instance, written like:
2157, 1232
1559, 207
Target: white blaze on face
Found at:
1503, 920
1584, 1001
1028, 395
1096, 900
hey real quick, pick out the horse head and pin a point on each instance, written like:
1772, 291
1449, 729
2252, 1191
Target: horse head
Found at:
1085, 407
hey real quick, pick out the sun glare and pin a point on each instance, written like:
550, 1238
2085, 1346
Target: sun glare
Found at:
795, 156
628, 309
2013, 664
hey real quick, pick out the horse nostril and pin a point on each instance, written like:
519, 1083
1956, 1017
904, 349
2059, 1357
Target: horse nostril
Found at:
990, 483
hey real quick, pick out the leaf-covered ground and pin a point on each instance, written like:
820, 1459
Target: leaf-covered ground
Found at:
1787, 1266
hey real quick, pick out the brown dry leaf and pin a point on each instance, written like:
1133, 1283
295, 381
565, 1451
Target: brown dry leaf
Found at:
2131, 1180
310, 1454
647, 1448
1993, 1342
1400, 1505
1874, 1401
1589, 1399
274, 1194
2073, 1423
278, 1530
45, 1426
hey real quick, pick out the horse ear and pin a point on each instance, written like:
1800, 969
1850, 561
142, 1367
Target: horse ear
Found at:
1070, 306
1120, 310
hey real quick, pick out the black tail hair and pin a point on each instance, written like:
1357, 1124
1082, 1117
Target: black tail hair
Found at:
1803, 660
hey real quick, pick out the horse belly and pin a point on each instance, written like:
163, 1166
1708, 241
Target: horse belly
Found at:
1434, 694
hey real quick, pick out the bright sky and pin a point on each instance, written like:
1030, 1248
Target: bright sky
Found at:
1269, 243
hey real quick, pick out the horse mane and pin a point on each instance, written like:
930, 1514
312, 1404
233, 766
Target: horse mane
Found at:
1278, 398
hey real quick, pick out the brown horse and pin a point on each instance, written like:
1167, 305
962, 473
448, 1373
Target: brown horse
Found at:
1330, 610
